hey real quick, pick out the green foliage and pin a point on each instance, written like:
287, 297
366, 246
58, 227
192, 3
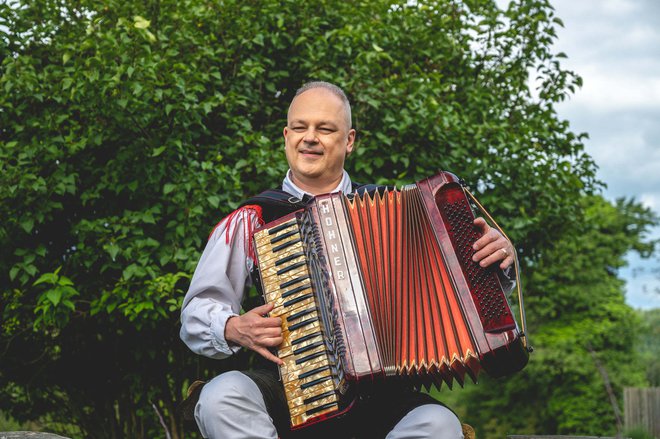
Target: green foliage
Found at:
127, 129
649, 344
638, 433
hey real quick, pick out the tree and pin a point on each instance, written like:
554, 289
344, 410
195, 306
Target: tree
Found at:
649, 348
128, 129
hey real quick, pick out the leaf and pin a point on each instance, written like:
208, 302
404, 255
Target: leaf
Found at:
27, 224
65, 281
140, 22
112, 250
54, 295
49, 278
69, 304
168, 187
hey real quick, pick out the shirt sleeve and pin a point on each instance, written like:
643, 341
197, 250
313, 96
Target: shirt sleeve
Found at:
218, 286
508, 280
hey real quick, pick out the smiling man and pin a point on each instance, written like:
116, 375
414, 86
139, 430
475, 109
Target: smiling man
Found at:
251, 404
318, 137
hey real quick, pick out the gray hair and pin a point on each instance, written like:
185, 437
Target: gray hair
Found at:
332, 88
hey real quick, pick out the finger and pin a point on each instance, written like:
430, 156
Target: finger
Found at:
493, 257
484, 241
272, 341
268, 355
492, 248
271, 322
481, 223
269, 333
263, 309
506, 263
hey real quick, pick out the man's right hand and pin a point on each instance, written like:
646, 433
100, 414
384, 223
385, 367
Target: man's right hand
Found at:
254, 331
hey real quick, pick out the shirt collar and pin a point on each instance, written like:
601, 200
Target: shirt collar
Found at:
289, 186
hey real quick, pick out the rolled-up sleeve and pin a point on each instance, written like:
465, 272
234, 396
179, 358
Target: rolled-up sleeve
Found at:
218, 286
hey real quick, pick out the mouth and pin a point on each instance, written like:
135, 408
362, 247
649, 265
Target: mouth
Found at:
310, 152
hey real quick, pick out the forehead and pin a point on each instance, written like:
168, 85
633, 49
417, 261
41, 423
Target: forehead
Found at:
317, 104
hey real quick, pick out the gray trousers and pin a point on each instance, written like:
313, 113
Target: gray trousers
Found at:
232, 406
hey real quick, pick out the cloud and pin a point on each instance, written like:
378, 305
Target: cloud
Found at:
615, 46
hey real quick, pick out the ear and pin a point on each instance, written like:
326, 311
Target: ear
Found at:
350, 145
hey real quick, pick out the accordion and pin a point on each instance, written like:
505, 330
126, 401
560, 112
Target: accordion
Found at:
383, 285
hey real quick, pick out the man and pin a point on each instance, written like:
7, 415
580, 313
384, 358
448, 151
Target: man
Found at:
318, 137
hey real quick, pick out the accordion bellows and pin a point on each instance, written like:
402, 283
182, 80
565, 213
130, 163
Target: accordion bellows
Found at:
383, 285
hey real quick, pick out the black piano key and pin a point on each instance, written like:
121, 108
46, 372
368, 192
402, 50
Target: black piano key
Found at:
281, 247
293, 282
290, 267
311, 399
299, 314
315, 382
308, 347
289, 258
282, 226
297, 299
296, 290
320, 408
309, 357
313, 372
305, 338
283, 236
303, 323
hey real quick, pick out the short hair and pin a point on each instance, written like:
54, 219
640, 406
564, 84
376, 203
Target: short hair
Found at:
332, 88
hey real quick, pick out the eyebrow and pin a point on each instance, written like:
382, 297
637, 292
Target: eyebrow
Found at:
321, 123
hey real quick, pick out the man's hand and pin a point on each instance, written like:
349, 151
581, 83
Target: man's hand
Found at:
492, 247
254, 331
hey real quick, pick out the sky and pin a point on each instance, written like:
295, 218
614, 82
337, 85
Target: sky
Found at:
614, 45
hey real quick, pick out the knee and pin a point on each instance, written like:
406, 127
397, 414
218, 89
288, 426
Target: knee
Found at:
437, 421
224, 392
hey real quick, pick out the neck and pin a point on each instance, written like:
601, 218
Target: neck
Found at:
315, 186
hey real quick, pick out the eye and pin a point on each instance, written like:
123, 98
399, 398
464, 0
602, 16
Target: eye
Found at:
298, 128
326, 130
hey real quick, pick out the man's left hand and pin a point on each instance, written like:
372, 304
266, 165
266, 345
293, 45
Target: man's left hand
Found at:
492, 247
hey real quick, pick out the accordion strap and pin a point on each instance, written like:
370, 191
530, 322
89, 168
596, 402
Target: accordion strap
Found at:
523, 321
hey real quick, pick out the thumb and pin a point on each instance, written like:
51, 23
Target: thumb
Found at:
481, 223
263, 309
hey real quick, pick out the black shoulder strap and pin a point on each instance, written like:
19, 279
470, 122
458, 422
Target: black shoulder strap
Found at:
276, 203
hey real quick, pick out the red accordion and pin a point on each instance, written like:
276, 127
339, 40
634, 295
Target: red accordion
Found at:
379, 285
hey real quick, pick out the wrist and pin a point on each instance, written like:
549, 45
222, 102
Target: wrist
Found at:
231, 333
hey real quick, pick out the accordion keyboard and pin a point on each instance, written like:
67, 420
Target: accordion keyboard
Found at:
308, 369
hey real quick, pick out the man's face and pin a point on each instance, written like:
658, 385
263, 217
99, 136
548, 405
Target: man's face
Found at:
317, 138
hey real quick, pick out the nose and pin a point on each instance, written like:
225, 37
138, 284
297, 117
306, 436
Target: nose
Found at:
310, 136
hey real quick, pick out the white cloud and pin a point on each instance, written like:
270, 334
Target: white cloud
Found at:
651, 200
615, 46
613, 91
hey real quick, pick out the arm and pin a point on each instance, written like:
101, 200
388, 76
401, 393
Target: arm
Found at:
210, 321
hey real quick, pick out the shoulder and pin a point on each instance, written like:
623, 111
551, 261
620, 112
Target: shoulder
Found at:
245, 219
